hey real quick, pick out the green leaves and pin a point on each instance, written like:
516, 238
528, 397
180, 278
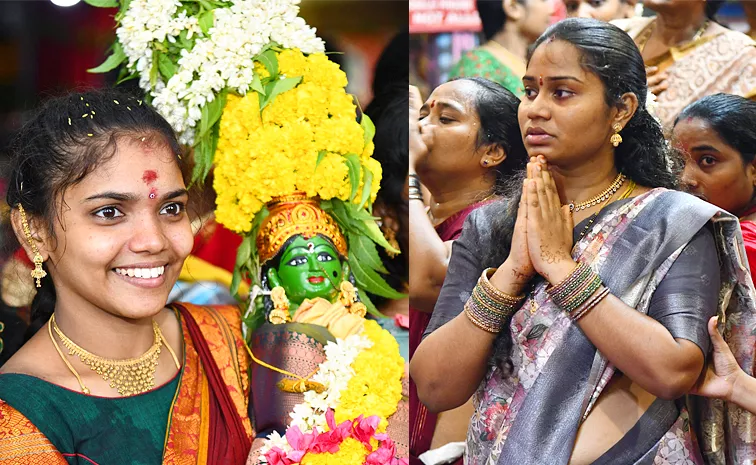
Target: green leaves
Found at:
321, 156
206, 21
102, 3
370, 280
277, 86
269, 59
353, 164
206, 140
166, 66
112, 62
368, 128
363, 234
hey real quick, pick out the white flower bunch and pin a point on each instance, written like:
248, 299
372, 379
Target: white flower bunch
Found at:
651, 106
220, 59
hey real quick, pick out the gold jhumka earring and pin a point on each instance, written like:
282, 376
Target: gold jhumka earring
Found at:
616, 139
38, 273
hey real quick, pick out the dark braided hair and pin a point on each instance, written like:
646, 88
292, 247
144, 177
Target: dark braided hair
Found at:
67, 139
612, 56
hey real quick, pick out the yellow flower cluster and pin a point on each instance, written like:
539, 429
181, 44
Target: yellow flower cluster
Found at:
376, 387
351, 452
275, 153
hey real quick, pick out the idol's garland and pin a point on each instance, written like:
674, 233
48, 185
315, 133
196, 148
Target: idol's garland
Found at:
362, 378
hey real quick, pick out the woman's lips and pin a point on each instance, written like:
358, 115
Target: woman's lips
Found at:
316, 279
537, 136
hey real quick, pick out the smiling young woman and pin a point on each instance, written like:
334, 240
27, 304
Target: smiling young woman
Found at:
577, 314
99, 204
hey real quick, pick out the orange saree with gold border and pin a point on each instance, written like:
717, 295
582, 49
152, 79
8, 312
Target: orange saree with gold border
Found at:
208, 422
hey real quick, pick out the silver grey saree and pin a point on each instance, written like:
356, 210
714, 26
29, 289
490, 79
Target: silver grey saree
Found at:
530, 415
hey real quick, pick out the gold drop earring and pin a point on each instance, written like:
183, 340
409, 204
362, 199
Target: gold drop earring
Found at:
38, 273
616, 139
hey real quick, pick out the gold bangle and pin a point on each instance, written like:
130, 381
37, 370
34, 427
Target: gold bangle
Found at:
495, 293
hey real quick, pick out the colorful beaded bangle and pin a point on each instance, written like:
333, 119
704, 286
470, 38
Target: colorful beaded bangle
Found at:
576, 289
571, 283
580, 296
488, 308
483, 319
583, 310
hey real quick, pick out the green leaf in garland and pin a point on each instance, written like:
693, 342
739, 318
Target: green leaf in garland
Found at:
365, 251
206, 21
154, 68
203, 159
367, 185
368, 128
102, 3
321, 156
278, 86
122, 10
166, 66
353, 163
371, 281
269, 59
235, 282
211, 113
112, 62
366, 224
257, 84
371, 308
244, 250
206, 5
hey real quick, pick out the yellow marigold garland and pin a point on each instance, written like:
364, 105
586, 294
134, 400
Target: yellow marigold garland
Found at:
376, 387
276, 153
351, 451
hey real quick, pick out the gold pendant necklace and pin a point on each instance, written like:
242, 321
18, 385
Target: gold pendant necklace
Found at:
129, 376
602, 197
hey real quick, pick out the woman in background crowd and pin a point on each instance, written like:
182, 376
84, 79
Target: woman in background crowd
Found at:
688, 55
465, 146
509, 27
604, 10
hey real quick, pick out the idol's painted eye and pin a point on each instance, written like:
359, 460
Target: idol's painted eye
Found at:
297, 261
325, 257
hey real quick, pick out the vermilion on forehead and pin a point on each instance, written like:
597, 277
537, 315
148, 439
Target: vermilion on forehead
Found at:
149, 177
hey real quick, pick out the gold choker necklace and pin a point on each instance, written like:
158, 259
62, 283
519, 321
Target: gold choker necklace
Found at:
602, 197
130, 376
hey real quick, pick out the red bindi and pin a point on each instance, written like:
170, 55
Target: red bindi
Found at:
540, 80
149, 177
153, 193
433, 103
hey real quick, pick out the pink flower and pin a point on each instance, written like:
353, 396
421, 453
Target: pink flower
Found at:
331, 440
363, 429
299, 442
385, 454
401, 320
276, 456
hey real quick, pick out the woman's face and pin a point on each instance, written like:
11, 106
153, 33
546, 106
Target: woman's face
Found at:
714, 170
123, 233
450, 124
604, 10
537, 18
564, 115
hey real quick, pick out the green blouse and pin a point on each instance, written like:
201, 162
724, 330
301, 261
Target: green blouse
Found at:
481, 63
123, 430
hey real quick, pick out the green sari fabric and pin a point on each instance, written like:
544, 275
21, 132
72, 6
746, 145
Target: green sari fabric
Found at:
95, 422
481, 63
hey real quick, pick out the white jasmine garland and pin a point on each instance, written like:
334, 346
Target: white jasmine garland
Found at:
334, 373
652, 105
220, 59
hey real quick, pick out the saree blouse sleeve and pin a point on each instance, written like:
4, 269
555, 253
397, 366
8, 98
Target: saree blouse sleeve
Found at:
463, 271
687, 296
